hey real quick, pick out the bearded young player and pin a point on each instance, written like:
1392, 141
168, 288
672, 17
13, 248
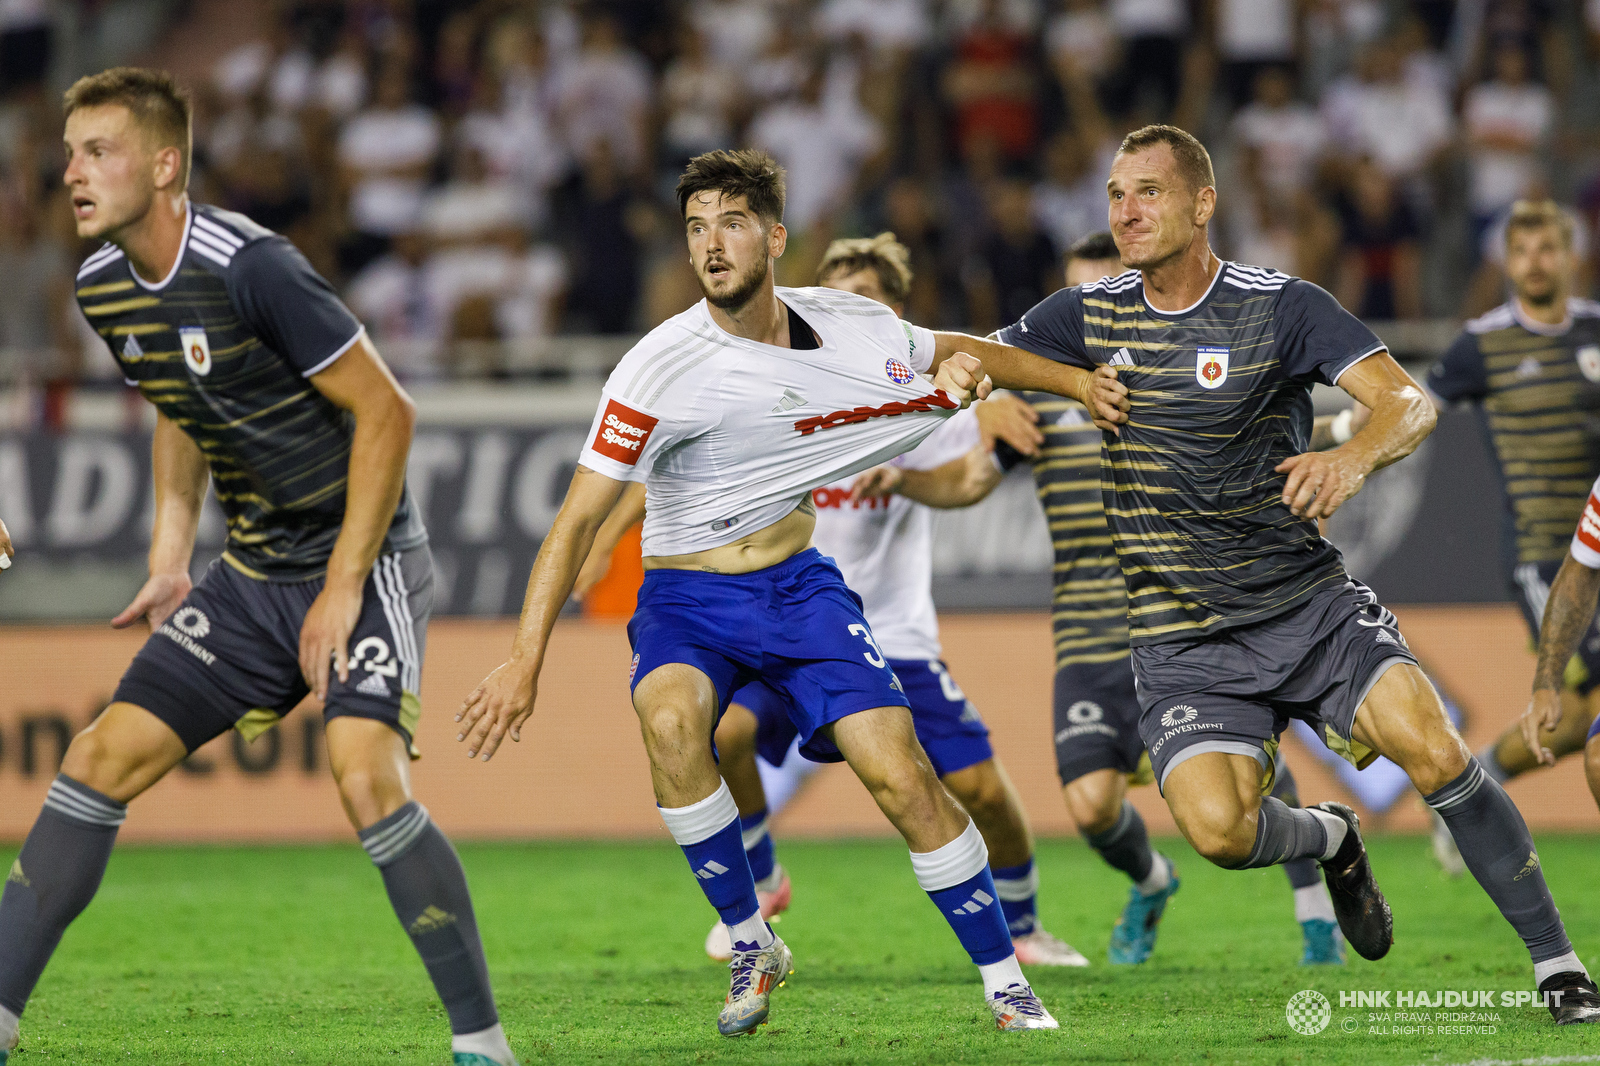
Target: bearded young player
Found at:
883, 546
265, 385
731, 413
1240, 616
1532, 368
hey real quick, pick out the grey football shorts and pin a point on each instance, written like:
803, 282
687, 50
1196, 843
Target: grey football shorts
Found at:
1234, 692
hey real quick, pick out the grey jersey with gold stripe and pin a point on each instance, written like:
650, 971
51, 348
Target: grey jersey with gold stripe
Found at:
1089, 605
223, 346
1220, 396
1537, 386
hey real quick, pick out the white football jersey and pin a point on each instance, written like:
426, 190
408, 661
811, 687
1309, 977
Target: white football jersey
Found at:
729, 435
1586, 538
884, 547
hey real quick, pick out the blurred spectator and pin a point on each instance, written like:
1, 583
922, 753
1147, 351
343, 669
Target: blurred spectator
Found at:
823, 149
781, 68
886, 25
605, 221
1507, 119
1081, 33
1380, 260
1070, 203
1334, 33
603, 94
1402, 123
1152, 33
386, 152
474, 204
394, 297
698, 96
1281, 139
1016, 265
36, 304
736, 31
1251, 36
993, 84
909, 210
25, 43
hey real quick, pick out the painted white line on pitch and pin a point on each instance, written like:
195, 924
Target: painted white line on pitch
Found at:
1544, 1060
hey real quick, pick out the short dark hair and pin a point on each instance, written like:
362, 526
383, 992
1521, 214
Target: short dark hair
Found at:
159, 106
1094, 247
747, 172
883, 255
1194, 162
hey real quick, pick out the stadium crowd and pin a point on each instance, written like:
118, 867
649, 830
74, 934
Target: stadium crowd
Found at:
502, 170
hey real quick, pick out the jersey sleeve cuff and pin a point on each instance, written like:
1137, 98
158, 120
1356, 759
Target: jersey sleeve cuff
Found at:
1334, 380
1585, 555
334, 358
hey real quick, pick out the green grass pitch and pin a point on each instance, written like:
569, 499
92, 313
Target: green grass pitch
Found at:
284, 955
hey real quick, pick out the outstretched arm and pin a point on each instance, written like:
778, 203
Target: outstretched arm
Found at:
959, 483
628, 513
504, 700
1567, 614
1012, 368
1320, 482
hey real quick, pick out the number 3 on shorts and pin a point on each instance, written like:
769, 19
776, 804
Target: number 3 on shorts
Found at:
875, 656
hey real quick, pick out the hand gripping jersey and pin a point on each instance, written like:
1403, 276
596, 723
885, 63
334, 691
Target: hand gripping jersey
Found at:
729, 435
1220, 395
223, 346
884, 547
1537, 387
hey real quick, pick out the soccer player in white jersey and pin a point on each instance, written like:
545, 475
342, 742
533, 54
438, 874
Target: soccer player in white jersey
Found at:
883, 545
731, 413
1568, 614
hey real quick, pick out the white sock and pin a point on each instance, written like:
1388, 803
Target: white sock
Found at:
1551, 967
999, 976
1313, 901
490, 1043
1337, 828
753, 930
771, 882
8, 1029
1159, 877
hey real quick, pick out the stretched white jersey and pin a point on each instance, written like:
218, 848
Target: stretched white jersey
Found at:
729, 435
1586, 538
884, 547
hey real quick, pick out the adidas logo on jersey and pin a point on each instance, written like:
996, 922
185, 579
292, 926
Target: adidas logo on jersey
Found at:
710, 870
1122, 357
980, 899
373, 685
131, 348
1384, 637
789, 402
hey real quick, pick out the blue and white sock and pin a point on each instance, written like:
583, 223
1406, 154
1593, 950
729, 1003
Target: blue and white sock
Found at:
956, 877
1018, 889
759, 850
708, 832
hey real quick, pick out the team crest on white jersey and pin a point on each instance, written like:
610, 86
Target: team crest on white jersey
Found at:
196, 349
1210, 367
898, 372
1589, 361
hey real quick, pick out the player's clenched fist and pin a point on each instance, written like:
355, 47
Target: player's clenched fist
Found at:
1320, 482
1106, 398
496, 707
962, 378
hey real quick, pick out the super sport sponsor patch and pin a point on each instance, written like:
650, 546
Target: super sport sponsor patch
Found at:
622, 433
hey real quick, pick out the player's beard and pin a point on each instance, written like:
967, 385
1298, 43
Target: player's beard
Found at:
748, 284
1540, 294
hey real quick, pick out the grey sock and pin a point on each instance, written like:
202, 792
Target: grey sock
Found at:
428, 889
1495, 844
52, 881
1284, 834
1126, 845
1489, 759
1303, 873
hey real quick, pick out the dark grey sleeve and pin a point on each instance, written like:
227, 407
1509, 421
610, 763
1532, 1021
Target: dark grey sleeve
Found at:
289, 305
1316, 339
1053, 329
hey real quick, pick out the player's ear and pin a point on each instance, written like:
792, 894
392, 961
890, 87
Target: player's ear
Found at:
1205, 205
777, 240
168, 167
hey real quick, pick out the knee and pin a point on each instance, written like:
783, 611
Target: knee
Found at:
1435, 767
736, 733
985, 798
1094, 811
1221, 833
673, 725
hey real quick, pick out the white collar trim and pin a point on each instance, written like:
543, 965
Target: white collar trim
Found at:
1222, 268
183, 246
